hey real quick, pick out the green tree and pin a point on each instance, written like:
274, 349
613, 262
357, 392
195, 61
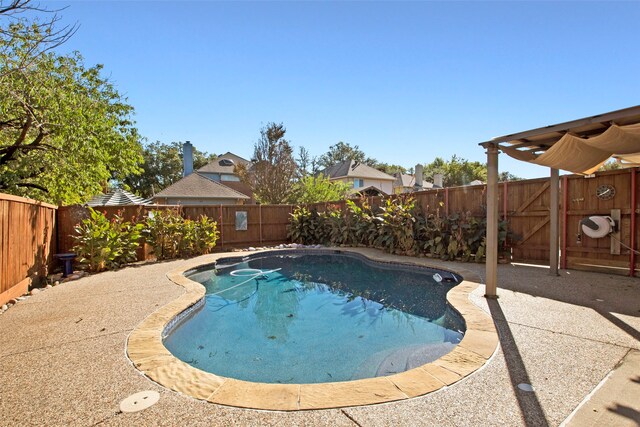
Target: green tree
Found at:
341, 152
273, 169
457, 171
390, 168
318, 189
507, 176
64, 129
610, 165
304, 162
162, 167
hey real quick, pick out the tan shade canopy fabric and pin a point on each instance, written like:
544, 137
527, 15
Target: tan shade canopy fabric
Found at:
585, 156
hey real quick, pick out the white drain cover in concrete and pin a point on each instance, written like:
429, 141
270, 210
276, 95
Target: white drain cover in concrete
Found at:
525, 387
139, 401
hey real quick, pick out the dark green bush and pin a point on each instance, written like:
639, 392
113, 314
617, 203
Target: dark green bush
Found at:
398, 226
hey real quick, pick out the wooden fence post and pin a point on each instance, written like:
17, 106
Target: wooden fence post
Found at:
634, 203
221, 229
446, 201
260, 219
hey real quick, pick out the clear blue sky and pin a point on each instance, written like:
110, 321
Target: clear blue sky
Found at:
404, 81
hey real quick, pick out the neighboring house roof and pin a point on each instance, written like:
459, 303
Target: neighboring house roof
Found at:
220, 166
197, 186
240, 187
353, 169
404, 180
117, 198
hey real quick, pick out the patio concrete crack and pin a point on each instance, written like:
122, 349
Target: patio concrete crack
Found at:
563, 333
65, 343
108, 417
353, 420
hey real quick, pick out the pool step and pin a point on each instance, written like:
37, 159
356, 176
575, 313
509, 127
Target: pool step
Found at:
411, 357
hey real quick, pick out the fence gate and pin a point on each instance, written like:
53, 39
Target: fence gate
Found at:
528, 216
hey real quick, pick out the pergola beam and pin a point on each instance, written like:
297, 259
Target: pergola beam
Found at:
613, 116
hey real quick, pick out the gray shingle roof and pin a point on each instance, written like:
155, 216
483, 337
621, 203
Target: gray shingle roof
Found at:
351, 168
214, 166
404, 180
196, 185
117, 198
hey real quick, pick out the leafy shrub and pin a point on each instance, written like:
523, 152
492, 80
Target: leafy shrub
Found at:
173, 236
103, 244
301, 228
332, 225
395, 228
398, 226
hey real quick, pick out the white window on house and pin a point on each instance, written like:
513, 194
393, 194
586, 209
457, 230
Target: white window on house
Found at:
358, 182
225, 177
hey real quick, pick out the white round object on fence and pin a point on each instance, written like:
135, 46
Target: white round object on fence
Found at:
596, 227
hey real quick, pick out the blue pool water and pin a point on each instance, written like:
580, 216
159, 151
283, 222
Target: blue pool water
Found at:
309, 318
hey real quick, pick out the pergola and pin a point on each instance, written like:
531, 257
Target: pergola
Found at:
579, 146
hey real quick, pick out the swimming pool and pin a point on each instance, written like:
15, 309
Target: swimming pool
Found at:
291, 318
147, 351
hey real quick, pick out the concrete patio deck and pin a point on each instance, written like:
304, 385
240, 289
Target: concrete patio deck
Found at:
63, 358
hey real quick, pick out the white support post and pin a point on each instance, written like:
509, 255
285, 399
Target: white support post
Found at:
491, 275
554, 236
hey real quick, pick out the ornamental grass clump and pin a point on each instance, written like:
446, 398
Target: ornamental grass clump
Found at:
103, 244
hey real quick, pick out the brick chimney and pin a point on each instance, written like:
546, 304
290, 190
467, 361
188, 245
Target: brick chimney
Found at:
187, 158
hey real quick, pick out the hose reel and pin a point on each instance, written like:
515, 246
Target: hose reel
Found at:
601, 226
597, 226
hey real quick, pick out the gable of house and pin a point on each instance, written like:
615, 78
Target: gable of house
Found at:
224, 164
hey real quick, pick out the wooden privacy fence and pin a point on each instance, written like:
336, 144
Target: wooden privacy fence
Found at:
266, 224
525, 205
27, 244
28, 229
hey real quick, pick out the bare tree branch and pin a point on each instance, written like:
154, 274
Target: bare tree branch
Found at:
47, 36
32, 185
